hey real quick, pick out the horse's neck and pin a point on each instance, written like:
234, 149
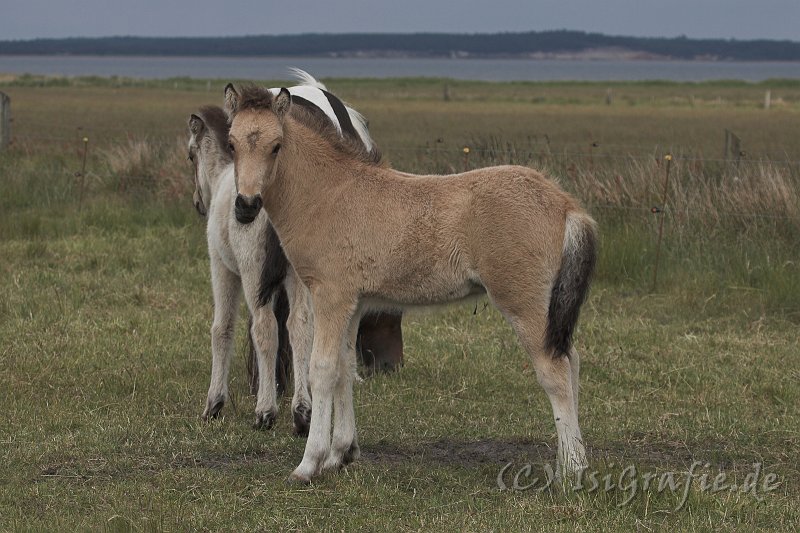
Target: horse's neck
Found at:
216, 172
306, 170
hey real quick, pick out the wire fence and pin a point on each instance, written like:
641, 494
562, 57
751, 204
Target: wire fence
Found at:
654, 206
537, 150
541, 152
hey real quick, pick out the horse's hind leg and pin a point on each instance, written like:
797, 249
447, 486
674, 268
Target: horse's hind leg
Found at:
558, 375
265, 339
226, 289
575, 367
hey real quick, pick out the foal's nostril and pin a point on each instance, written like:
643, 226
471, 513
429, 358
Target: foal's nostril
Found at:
248, 202
247, 210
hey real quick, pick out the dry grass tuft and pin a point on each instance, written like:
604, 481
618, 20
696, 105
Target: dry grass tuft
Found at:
149, 165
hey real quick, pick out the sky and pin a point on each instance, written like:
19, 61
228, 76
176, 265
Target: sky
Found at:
739, 19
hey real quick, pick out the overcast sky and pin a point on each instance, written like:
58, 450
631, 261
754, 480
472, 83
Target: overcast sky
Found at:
740, 19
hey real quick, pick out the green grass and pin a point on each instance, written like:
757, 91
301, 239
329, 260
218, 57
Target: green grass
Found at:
105, 311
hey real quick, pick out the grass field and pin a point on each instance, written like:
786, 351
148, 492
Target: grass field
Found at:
105, 309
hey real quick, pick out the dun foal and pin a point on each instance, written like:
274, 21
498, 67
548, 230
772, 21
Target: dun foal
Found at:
505, 231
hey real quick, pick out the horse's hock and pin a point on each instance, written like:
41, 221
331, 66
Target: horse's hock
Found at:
5, 120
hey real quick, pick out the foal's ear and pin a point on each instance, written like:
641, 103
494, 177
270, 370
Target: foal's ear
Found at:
231, 100
196, 125
282, 103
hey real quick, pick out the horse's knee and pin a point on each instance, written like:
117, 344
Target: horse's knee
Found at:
322, 376
222, 330
265, 326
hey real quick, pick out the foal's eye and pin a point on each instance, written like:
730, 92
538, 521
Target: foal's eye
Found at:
230, 147
191, 158
276, 149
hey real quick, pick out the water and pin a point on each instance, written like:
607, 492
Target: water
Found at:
258, 68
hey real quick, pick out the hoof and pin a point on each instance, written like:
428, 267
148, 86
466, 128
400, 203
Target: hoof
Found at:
302, 420
332, 463
352, 454
298, 479
265, 420
213, 409
335, 461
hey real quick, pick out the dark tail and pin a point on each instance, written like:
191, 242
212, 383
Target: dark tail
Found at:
273, 271
252, 360
283, 364
572, 282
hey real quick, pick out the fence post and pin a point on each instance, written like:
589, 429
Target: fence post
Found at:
727, 152
82, 173
5, 120
662, 212
733, 146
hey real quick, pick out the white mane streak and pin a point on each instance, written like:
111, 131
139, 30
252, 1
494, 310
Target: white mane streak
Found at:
311, 89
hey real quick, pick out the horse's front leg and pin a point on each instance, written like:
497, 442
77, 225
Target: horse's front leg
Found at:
226, 288
331, 322
264, 332
344, 445
300, 325
265, 339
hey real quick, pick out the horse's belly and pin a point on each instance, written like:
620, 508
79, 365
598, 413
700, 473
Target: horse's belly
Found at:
431, 290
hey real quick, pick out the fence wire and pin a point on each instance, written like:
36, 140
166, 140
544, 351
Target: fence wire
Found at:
540, 151
626, 152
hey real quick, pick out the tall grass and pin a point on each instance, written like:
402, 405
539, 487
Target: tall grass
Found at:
151, 165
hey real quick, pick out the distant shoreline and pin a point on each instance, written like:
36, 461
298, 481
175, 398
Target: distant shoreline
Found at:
590, 56
561, 45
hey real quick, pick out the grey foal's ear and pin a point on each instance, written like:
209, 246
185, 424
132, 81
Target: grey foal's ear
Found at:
282, 103
231, 100
196, 125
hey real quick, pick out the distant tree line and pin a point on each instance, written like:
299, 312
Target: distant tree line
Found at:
415, 44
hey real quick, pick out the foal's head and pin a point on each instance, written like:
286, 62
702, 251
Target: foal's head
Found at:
255, 138
208, 152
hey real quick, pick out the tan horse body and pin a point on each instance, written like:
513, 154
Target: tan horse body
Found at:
506, 231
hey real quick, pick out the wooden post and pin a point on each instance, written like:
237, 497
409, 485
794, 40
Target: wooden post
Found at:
767, 99
5, 120
661, 210
736, 147
609, 96
82, 173
726, 154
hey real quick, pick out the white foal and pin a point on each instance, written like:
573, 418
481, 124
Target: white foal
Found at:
247, 258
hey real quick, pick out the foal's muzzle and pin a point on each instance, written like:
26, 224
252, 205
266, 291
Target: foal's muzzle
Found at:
247, 208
